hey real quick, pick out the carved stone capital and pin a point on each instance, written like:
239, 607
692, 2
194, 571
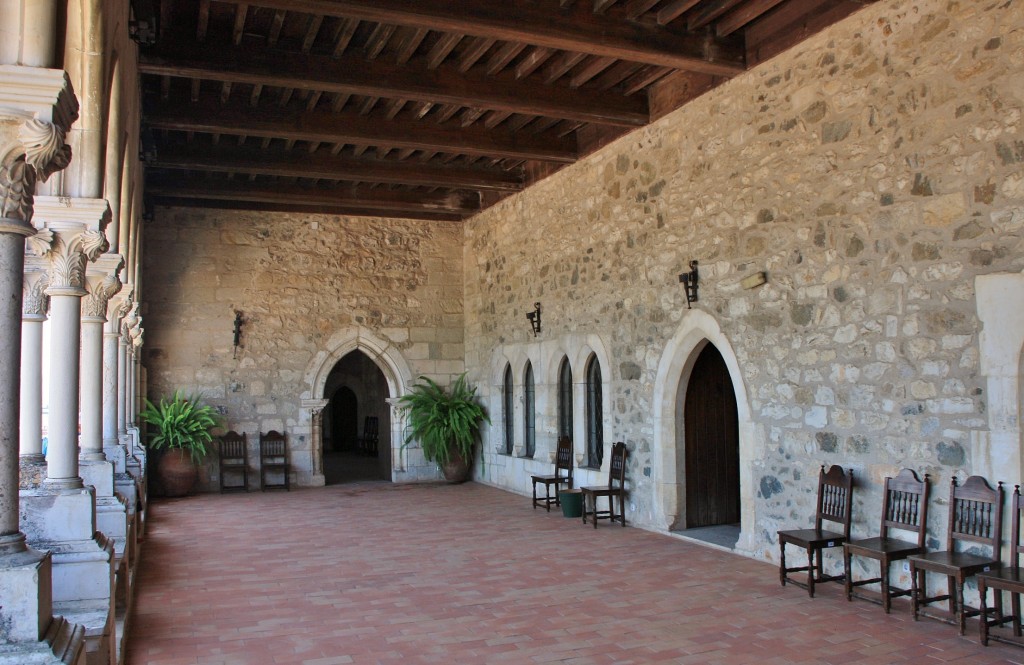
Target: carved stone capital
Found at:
117, 308
75, 238
103, 282
34, 301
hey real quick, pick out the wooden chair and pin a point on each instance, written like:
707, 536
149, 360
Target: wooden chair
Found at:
835, 502
274, 459
561, 476
975, 516
616, 488
1009, 578
904, 507
233, 450
368, 441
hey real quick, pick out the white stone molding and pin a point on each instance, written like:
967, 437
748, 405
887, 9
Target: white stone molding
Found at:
103, 282
696, 330
34, 301
42, 94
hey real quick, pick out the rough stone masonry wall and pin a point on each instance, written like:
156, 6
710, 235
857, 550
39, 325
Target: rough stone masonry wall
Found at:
872, 172
298, 280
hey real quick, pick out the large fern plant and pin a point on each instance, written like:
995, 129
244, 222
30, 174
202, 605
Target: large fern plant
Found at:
443, 421
182, 422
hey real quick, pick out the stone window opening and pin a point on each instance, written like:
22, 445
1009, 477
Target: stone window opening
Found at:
565, 399
529, 413
595, 415
508, 411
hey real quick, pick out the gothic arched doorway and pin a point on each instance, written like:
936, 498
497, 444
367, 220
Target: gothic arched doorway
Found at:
358, 391
709, 431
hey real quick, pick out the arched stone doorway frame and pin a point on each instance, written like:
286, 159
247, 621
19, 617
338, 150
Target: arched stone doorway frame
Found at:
697, 330
386, 356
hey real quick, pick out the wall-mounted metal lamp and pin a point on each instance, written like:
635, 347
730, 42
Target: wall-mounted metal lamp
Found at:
238, 332
534, 318
689, 281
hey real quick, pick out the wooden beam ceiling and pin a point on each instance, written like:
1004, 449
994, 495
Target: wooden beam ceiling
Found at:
352, 74
533, 23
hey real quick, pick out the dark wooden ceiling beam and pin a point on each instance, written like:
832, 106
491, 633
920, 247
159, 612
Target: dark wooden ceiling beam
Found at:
708, 12
252, 161
210, 117
672, 10
457, 202
531, 23
301, 208
743, 15
380, 78
637, 8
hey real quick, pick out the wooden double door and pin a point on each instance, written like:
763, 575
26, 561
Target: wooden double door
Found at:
710, 435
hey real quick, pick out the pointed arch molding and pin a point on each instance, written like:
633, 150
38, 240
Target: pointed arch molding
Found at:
697, 329
996, 453
385, 355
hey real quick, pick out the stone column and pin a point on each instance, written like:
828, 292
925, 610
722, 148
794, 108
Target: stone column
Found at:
37, 106
111, 333
34, 306
103, 283
74, 230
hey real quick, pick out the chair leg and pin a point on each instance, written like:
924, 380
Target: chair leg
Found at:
1015, 608
622, 511
782, 563
595, 511
983, 628
886, 591
535, 495
810, 570
847, 577
914, 585
961, 615
584, 502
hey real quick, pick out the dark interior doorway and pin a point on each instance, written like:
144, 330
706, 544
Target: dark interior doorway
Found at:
344, 420
358, 391
711, 439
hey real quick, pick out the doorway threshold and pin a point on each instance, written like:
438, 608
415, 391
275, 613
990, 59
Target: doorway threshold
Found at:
724, 536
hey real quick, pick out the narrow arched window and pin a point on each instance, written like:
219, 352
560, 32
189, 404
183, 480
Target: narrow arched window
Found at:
529, 415
509, 410
595, 415
565, 399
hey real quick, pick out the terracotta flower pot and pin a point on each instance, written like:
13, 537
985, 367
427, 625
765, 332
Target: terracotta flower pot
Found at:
457, 468
177, 472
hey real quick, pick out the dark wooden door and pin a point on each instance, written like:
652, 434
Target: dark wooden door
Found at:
712, 444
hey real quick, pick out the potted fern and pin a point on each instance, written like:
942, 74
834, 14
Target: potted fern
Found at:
180, 425
446, 423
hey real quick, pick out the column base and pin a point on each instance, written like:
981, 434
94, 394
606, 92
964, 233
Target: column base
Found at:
115, 454
53, 514
25, 586
99, 474
63, 644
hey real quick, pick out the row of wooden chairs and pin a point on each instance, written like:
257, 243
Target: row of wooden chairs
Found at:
233, 449
975, 518
614, 490
367, 443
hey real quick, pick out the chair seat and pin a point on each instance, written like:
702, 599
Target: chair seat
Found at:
232, 462
1004, 578
953, 563
601, 491
882, 546
551, 479
812, 538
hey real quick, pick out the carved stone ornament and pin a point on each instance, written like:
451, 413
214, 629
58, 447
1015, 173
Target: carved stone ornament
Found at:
94, 304
34, 301
69, 254
40, 243
42, 153
126, 304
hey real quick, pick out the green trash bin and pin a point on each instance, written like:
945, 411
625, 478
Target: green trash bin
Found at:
572, 503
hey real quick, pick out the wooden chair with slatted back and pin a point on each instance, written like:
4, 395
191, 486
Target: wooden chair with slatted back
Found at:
1007, 578
975, 516
561, 476
834, 504
274, 460
904, 508
616, 489
233, 450
371, 432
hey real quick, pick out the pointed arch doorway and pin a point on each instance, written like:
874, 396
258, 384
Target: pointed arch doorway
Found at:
358, 390
707, 429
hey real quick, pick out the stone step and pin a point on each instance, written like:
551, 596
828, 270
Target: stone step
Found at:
64, 644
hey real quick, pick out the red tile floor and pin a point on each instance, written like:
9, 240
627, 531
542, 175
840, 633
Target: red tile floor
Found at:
381, 573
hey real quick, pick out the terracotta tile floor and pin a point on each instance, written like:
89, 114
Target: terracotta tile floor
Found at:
380, 573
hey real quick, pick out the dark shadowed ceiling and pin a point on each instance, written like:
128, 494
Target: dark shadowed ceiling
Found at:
431, 109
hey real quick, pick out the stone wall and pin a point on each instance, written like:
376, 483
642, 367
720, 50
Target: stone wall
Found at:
311, 288
873, 173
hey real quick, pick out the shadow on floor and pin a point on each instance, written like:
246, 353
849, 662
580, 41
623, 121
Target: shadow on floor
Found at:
350, 467
723, 535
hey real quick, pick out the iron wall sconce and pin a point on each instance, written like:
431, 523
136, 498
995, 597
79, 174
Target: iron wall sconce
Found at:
534, 318
238, 332
689, 281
